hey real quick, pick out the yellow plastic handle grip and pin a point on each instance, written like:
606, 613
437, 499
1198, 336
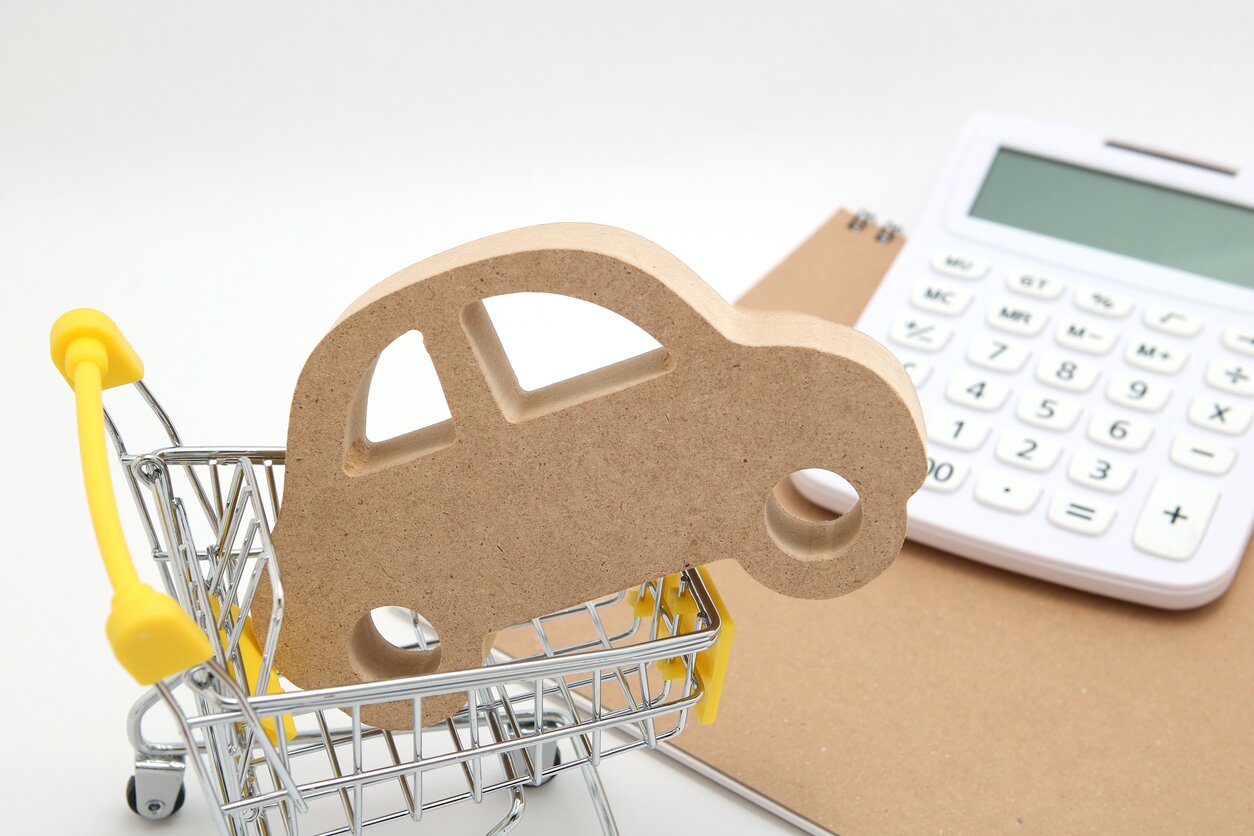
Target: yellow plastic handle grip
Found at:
150, 634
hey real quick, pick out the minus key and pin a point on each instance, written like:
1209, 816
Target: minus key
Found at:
1203, 455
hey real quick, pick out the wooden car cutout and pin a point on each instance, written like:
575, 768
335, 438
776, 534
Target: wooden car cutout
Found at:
527, 502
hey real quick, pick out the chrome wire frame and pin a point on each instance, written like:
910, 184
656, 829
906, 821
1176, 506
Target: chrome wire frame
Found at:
336, 774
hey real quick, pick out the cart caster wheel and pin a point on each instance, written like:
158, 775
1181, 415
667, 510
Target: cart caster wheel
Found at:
155, 808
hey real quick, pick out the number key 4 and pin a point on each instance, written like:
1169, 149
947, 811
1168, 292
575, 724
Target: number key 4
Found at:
976, 391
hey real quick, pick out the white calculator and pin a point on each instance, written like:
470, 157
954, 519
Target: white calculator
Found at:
1078, 317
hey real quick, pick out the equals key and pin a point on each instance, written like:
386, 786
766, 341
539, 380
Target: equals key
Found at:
1080, 514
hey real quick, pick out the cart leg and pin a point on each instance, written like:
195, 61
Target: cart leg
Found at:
556, 718
605, 815
155, 791
516, 807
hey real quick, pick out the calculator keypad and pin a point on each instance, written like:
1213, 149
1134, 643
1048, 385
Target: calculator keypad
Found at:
996, 354
1100, 472
1138, 391
1081, 514
1049, 412
1155, 356
1005, 492
1202, 454
921, 333
1030, 452
1066, 372
941, 298
1174, 518
957, 431
1013, 317
1172, 321
1031, 283
1237, 378
977, 391
1103, 302
1079, 432
1085, 335
1220, 414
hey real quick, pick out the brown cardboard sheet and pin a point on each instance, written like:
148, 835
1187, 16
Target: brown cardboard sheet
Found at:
951, 697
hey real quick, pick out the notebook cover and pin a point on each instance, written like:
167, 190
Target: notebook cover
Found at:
951, 697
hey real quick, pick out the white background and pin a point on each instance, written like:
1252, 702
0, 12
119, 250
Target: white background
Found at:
224, 178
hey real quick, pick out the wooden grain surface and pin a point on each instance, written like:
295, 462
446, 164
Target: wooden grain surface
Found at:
525, 503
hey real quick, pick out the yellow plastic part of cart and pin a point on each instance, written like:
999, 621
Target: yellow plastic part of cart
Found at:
150, 634
711, 663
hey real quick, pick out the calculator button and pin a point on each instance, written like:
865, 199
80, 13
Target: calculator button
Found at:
1100, 473
1047, 411
1154, 356
919, 332
995, 354
1202, 455
950, 429
1034, 284
1138, 393
1222, 416
1089, 337
1171, 321
1174, 518
1239, 339
1006, 492
977, 391
1067, 373
1237, 378
957, 264
940, 298
1102, 302
1014, 318
919, 370
1080, 514
1028, 452
1113, 430
945, 476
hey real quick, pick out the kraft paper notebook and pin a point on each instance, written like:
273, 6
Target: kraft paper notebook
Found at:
950, 697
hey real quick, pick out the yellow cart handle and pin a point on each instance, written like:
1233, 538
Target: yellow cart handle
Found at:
151, 635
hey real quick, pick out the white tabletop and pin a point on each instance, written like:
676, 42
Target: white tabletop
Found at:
224, 178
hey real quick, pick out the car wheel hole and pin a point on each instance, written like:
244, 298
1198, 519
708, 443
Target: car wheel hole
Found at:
807, 531
391, 642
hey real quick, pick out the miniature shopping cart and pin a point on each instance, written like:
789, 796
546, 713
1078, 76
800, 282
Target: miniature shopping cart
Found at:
575, 686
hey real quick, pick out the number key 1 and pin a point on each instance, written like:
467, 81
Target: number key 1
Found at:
961, 432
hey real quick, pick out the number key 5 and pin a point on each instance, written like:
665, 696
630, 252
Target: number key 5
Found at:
1048, 411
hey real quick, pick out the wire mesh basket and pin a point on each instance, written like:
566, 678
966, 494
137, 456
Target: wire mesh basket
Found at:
561, 692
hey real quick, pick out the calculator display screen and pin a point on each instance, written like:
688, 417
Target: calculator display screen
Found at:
1156, 224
